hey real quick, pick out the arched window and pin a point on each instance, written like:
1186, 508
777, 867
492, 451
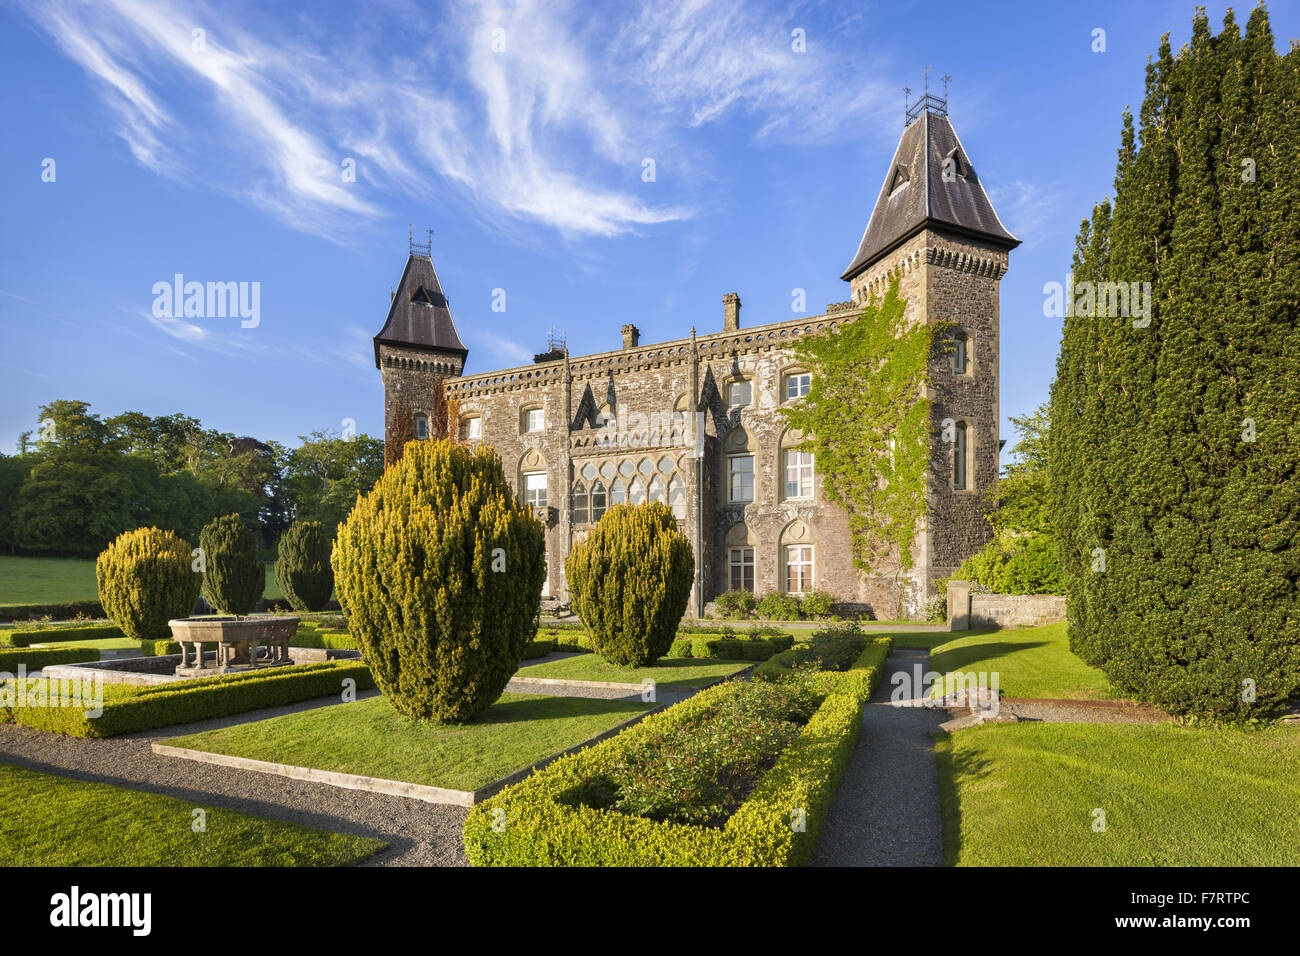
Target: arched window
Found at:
959, 457
677, 497
580, 503
597, 501
636, 493
617, 493
422, 427
657, 490
960, 362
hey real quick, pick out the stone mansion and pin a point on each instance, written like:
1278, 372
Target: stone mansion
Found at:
694, 423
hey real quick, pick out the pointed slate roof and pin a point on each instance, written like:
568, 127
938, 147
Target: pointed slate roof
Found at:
915, 196
418, 316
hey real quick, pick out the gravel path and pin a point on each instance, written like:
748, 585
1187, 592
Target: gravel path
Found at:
886, 811
418, 834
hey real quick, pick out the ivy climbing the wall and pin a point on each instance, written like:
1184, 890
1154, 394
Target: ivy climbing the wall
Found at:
868, 424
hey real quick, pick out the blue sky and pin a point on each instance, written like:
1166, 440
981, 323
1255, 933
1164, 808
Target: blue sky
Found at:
518, 133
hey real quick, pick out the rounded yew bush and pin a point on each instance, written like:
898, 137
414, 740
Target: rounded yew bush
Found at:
145, 580
630, 580
439, 570
302, 565
233, 578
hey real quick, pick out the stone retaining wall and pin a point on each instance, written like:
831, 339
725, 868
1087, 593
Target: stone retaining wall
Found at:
967, 610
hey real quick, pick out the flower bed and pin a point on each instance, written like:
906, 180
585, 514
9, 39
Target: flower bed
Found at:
606, 806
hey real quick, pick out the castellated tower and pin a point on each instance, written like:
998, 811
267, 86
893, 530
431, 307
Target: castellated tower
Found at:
418, 347
934, 228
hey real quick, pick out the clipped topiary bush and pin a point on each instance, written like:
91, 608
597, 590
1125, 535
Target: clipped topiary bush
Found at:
302, 565
439, 570
145, 579
233, 578
630, 579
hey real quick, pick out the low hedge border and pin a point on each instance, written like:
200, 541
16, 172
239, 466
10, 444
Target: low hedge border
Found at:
36, 658
536, 649
861, 679
25, 637
765, 831
722, 647
65, 609
159, 648
134, 709
324, 640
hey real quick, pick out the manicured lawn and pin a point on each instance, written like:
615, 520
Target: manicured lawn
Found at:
368, 737
920, 640
65, 822
1024, 795
1029, 662
46, 580
666, 672
103, 644
51, 580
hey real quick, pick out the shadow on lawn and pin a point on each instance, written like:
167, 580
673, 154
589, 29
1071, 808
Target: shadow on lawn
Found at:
959, 656
969, 767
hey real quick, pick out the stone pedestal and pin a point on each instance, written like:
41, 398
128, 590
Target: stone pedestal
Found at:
958, 605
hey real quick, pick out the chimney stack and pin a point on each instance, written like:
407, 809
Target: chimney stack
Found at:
730, 312
631, 336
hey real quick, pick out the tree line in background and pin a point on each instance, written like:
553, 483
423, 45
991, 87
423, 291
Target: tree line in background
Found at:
80, 480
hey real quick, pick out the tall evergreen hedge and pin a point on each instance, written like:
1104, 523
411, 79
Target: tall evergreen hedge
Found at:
1173, 454
439, 570
630, 580
302, 565
145, 580
234, 579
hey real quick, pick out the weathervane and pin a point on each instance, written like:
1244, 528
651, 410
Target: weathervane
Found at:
928, 102
426, 248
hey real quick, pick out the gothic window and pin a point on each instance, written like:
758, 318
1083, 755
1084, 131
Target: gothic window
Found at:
677, 497
959, 457
636, 492
799, 568
597, 501
657, 490
422, 427
580, 503
740, 478
617, 493
741, 564
798, 474
535, 489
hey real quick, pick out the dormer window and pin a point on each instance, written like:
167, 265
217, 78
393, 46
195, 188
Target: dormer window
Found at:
954, 166
423, 296
900, 179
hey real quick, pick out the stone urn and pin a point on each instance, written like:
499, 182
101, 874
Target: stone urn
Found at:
238, 642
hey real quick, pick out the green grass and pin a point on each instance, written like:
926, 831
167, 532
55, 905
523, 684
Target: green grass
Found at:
1024, 795
65, 822
1029, 662
51, 580
919, 640
368, 737
46, 580
666, 672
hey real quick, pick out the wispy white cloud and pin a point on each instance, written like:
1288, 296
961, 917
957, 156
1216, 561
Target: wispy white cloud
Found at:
532, 110
1026, 207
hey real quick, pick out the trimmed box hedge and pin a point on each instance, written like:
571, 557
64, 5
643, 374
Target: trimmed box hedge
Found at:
321, 639
64, 635
777, 825
860, 679
159, 648
536, 649
133, 709
36, 658
62, 610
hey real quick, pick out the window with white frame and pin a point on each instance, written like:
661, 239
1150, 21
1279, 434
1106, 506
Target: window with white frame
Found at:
597, 500
739, 394
797, 385
798, 474
580, 503
535, 489
740, 478
534, 420
799, 568
742, 569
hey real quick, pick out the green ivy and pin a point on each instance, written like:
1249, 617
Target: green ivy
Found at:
866, 390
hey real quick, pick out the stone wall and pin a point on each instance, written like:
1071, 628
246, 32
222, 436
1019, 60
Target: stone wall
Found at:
967, 610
